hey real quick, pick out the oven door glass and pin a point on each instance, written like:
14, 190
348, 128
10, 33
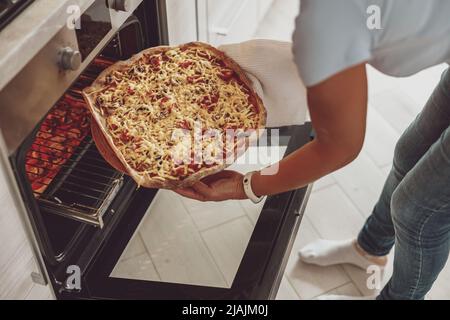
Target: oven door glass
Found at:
181, 248
189, 242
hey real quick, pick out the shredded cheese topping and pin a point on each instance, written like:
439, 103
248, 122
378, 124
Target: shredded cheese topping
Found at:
180, 88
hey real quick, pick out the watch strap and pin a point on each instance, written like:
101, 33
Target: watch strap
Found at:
247, 182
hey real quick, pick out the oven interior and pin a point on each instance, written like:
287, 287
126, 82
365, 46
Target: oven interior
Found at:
74, 197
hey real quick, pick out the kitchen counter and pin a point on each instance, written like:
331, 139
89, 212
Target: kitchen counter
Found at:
29, 32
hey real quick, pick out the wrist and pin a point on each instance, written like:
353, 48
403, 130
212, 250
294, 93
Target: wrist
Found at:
248, 189
256, 184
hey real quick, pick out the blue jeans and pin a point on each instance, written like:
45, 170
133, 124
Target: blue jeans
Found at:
413, 211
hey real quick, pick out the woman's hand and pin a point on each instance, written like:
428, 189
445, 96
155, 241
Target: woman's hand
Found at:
225, 185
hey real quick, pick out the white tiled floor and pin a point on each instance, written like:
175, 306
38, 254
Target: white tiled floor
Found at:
339, 203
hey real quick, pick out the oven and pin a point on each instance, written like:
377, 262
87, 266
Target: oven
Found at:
96, 234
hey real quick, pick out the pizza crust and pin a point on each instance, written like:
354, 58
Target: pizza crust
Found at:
90, 94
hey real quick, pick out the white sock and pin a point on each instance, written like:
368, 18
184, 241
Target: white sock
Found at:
326, 253
338, 297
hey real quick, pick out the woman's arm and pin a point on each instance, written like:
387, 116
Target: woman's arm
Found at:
338, 108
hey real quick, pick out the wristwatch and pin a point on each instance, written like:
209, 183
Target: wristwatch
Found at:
248, 188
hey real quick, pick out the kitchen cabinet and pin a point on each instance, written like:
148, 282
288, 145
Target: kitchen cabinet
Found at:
182, 21
263, 7
233, 21
213, 21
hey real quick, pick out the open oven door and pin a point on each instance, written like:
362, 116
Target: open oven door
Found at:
169, 247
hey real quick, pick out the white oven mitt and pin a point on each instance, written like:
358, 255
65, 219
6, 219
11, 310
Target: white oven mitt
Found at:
270, 65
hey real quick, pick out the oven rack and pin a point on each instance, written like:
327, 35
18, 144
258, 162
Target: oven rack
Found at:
84, 187
80, 184
84, 184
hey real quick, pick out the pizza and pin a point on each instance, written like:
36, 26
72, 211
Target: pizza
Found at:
142, 105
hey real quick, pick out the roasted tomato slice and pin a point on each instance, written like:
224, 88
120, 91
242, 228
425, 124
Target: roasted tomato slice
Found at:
195, 166
178, 172
194, 79
125, 137
186, 64
209, 102
163, 101
141, 167
203, 54
184, 125
226, 74
253, 103
154, 61
113, 127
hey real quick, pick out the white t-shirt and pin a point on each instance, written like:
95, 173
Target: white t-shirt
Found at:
333, 35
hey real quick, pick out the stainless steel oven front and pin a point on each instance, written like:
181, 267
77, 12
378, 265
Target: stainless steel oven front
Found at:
88, 220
